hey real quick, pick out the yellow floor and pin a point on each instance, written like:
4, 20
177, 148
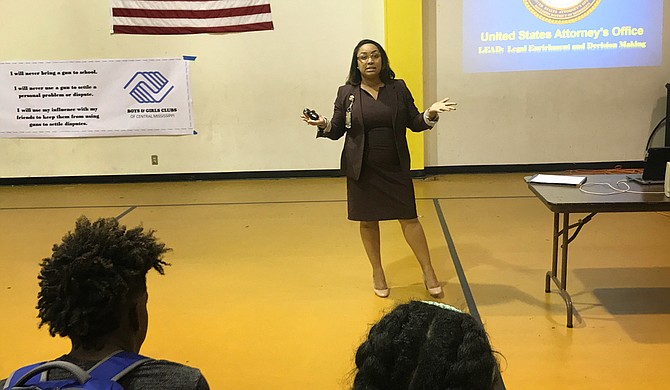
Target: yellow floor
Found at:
270, 287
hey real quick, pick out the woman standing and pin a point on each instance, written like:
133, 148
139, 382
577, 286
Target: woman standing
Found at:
374, 110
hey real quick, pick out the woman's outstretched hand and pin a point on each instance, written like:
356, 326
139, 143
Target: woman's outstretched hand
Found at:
443, 105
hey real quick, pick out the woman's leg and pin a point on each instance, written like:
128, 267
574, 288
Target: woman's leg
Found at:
370, 237
416, 238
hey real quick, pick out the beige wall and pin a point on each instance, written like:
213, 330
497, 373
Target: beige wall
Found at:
248, 88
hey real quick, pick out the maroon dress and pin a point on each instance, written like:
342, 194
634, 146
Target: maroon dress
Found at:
384, 190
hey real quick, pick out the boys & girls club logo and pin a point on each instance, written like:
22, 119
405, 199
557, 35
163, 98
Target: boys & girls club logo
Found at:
148, 87
561, 11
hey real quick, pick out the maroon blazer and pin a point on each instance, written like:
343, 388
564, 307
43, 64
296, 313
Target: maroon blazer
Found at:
405, 115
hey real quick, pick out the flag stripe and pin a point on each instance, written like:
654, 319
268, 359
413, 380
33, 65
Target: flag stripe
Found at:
192, 30
200, 23
235, 3
184, 5
189, 16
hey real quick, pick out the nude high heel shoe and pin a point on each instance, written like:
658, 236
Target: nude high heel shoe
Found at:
382, 293
435, 292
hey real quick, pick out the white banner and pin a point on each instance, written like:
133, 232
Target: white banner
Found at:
95, 98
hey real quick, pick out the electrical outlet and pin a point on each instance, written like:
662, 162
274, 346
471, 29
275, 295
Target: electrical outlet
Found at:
154, 159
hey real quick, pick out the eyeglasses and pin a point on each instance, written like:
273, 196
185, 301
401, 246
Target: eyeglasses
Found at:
364, 57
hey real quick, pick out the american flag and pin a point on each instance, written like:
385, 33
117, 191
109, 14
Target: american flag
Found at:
190, 16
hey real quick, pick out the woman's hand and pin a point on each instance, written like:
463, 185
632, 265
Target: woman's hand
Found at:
321, 122
443, 105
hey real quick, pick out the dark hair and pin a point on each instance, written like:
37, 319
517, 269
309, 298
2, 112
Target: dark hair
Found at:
96, 270
423, 346
385, 74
